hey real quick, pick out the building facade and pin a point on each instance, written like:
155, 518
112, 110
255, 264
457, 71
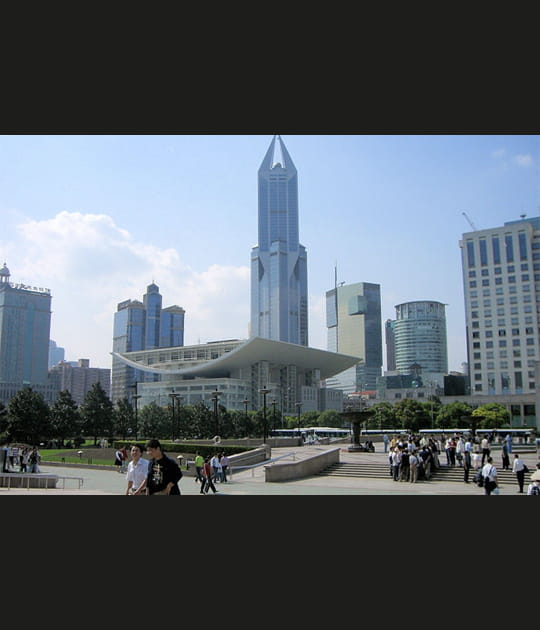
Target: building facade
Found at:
78, 379
501, 282
353, 320
420, 338
142, 326
25, 324
239, 370
56, 353
279, 295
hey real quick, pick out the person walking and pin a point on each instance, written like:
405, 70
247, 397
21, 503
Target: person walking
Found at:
118, 459
207, 474
137, 471
199, 463
489, 472
216, 467
386, 440
224, 461
508, 440
467, 463
518, 467
163, 472
484, 445
505, 457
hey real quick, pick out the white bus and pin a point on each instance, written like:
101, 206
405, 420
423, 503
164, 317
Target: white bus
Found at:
309, 434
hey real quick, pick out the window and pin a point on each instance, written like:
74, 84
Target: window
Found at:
522, 246
470, 253
495, 245
483, 252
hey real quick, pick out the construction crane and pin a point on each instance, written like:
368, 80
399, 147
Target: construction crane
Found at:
469, 221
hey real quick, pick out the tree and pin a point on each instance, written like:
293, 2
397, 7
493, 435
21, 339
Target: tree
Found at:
65, 417
153, 421
124, 418
331, 418
409, 414
383, 416
28, 417
492, 415
97, 413
455, 415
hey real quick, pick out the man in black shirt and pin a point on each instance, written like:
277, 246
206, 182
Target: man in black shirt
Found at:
163, 472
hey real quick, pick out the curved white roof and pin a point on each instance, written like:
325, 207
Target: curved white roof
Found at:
254, 350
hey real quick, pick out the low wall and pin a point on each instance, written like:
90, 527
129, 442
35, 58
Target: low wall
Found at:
302, 468
30, 480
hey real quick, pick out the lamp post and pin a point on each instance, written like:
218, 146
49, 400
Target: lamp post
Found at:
274, 403
179, 398
298, 411
264, 391
172, 397
215, 397
246, 402
136, 399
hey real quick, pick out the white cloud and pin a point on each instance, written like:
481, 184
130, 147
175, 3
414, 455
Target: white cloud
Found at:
499, 153
90, 264
523, 160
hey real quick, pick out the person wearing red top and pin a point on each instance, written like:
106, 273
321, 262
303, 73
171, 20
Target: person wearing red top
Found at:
207, 474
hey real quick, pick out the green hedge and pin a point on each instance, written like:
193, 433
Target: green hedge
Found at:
206, 450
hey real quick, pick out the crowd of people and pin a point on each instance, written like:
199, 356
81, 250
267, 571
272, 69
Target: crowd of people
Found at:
21, 459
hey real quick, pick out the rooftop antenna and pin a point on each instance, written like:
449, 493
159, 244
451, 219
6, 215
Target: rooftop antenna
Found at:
522, 216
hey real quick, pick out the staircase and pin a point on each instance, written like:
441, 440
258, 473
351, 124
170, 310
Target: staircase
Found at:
444, 473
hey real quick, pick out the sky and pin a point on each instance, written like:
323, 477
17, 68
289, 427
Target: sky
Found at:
97, 218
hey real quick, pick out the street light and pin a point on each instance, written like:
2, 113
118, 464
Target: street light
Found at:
298, 410
264, 392
215, 397
246, 402
179, 398
136, 399
172, 397
274, 403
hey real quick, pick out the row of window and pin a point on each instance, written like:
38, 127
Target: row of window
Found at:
496, 257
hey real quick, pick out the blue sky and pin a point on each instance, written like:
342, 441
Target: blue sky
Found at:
96, 218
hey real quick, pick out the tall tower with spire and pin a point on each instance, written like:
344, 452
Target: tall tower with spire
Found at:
279, 299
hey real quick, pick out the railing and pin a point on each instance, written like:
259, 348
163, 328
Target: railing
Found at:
46, 479
263, 463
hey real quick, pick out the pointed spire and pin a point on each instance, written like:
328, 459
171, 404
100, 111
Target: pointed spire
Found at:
277, 156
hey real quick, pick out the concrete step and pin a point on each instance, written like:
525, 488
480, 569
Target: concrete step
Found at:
382, 471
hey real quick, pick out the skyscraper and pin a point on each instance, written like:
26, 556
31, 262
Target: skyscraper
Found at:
353, 319
501, 282
56, 353
25, 324
420, 338
279, 298
142, 326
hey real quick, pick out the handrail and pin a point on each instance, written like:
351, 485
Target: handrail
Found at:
263, 463
29, 476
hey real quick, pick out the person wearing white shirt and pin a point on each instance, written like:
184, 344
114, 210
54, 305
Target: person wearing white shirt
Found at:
489, 472
518, 467
137, 472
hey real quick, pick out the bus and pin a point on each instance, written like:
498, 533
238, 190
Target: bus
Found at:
310, 434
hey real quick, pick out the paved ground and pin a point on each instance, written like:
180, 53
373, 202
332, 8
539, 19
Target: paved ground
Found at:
252, 482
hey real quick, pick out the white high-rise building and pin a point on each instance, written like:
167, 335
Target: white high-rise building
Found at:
501, 282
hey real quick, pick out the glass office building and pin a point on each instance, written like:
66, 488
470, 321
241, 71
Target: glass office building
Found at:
25, 325
353, 320
142, 326
279, 298
420, 338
